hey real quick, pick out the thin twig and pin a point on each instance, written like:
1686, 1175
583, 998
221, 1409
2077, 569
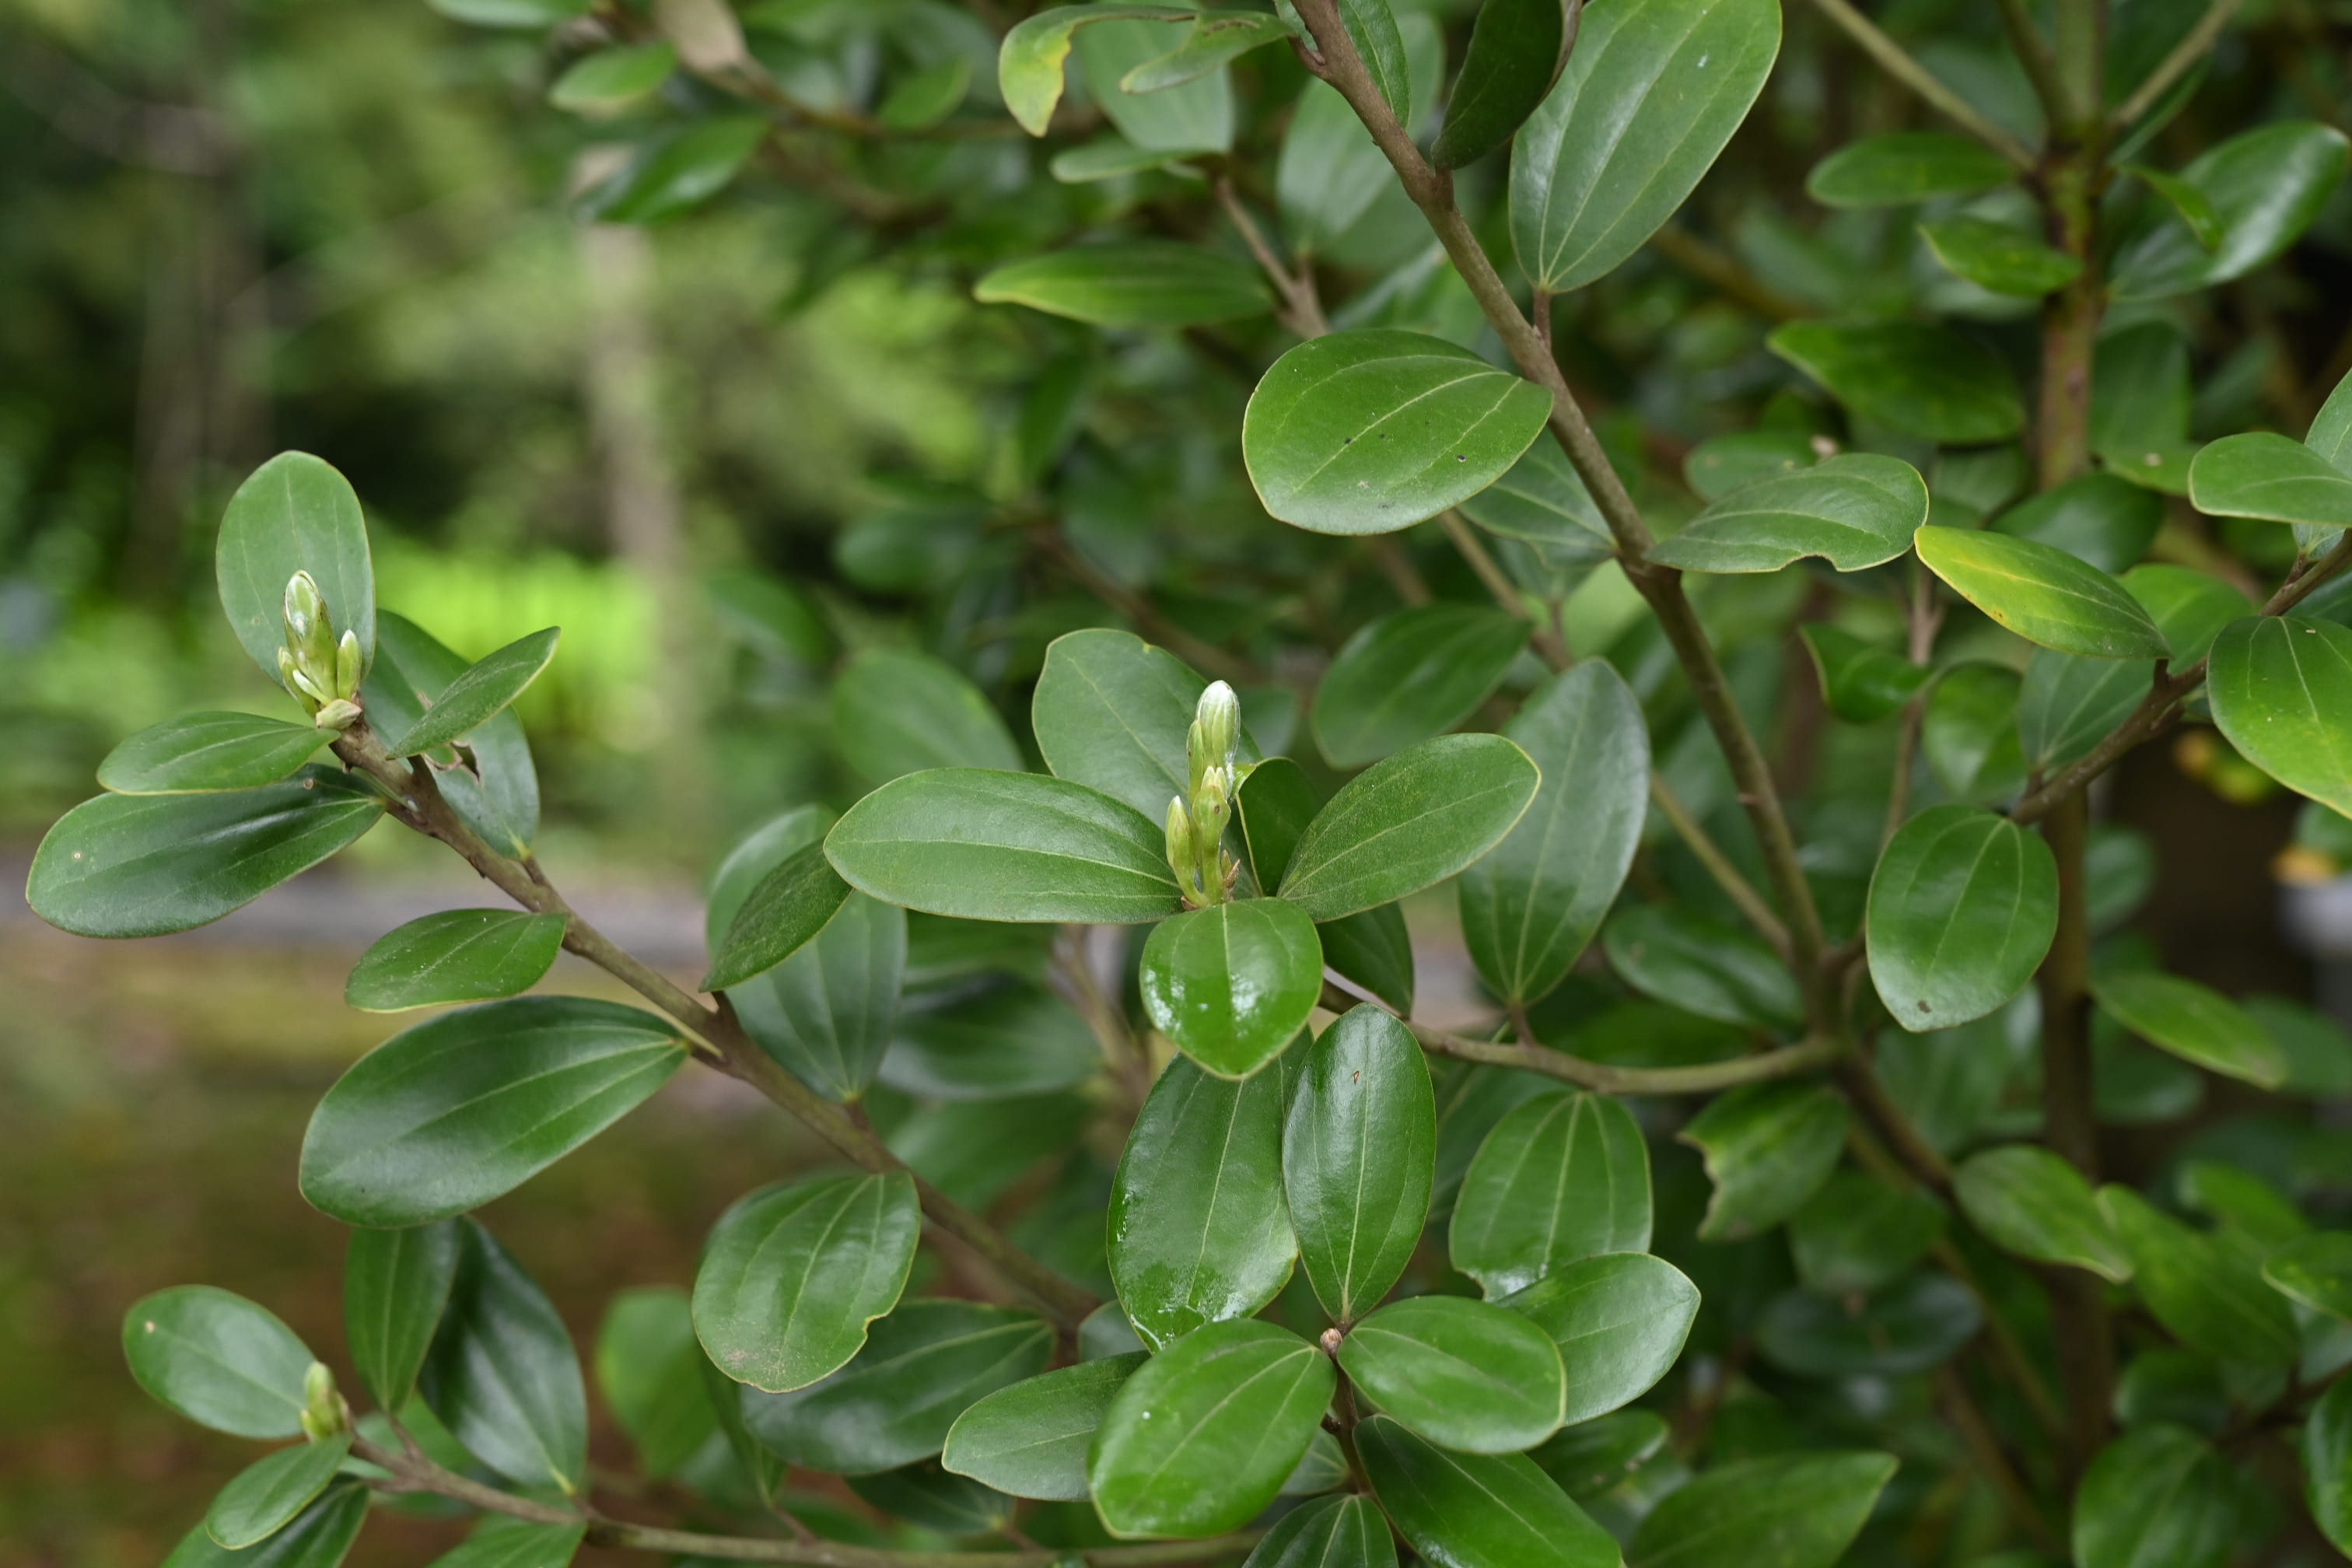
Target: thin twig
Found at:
1548, 646
1896, 62
1710, 854
1203, 655
2185, 55
1302, 308
1960, 1406
1729, 279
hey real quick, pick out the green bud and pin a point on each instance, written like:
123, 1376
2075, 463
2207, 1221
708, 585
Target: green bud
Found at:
1218, 722
1180, 858
337, 716
347, 666
324, 1413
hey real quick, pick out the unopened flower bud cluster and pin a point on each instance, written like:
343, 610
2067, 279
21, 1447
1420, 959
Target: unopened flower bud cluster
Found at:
318, 667
1196, 829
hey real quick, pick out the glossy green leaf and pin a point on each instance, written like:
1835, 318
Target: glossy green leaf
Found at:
218, 1360
484, 692
1368, 432
1111, 712
2326, 1452
1562, 1176
1465, 1375
1374, 948
126, 865
448, 1115
896, 712
319, 1538
1963, 906
2330, 434
456, 955
1860, 684
2206, 1288
1767, 1147
1358, 1157
2266, 185
1331, 1533
1722, 464
1853, 511
295, 513
2259, 475
985, 846
975, 1152
2318, 1051
1130, 283
1011, 1041
2280, 687
1029, 63
1477, 1511
2000, 257
613, 78
931, 1498
205, 752
1619, 1321
1516, 50
1701, 966
1930, 380
1412, 820
502, 1374
1030, 1440
1201, 1439
2193, 1021
1530, 907
1329, 172
2156, 1497
2068, 704
1858, 1234
1199, 1229
672, 172
2043, 594
2140, 394
1793, 1510
650, 1371
793, 1273
2029, 1202
499, 795
1215, 38
1969, 732
1595, 1458
1653, 92
922, 99
1372, 27
1919, 1322
1542, 500
1412, 675
784, 912
828, 1012
502, 1542
396, 1284
1901, 168
2315, 1270
267, 1494
2191, 204
1197, 116
1370, 947
922, 1367
1232, 984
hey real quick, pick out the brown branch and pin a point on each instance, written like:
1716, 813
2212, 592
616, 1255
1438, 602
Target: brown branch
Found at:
1302, 308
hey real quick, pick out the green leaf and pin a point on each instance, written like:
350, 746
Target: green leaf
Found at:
1368, 432
1199, 1229
1477, 1511
1330, 1533
1412, 820
1902, 167
1721, 463
1767, 1147
827, 1013
1029, 62
1853, 511
145, 865
500, 1542
1358, 1157
1652, 94
1467, 1376
206, 753
677, 170
1916, 1323
1013, 1040
396, 1284
2029, 1202
933, 1499
510, 12
922, 99
499, 798
987, 845
1374, 948
1329, 172
1541, 499
267, 1494
611, 80
974, 1153
1597, 1457
1201, 1439
2068, 704
1794, 1510
1930, 380
218, 1360
2315, 1270
294, 514
2193, 1021
1963, 906
2043, 594
468, 1106
896, 712
2317, 1051
1561, 1177
318, 1539
1371, 27
649, 1371
1619, 1321
502, 1374
1412, 675
2206, 1288
484, 692
1130, 283
2326, 1452
1215, 38
1232, 984
1370, 947
1862, 684
1517, 49
2330, 434
1690, 962
2265, 476
1530, 909
922, 1367
1197, 116
793, 1273
1111, 712
1030, 1440
2140, 396
2000, 257
2279, 686
1858, 1234
2192, 205
456, 955
2156, 1497
1969, 734
2266, 186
